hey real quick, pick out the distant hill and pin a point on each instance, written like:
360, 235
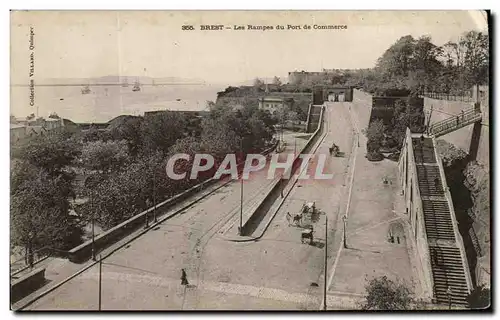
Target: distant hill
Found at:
119, 79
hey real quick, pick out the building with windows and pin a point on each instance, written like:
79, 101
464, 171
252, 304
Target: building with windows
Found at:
272, 104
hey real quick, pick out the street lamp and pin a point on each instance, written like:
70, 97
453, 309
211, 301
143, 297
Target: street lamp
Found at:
295, 146
93, 224
154, 196
240, 229
100, 282
325, 285
344, 218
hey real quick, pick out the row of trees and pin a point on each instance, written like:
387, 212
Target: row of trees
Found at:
120, 171
419, 65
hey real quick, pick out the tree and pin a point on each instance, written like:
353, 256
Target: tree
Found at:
277, 81
52, 152
54, 115
130, 131
293, 116
160, 131
397, 60
104, 156
125, 193
479, 298
40, 213
258, 83
385, 294
476, 57
374, 134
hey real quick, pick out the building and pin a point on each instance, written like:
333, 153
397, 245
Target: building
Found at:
272, 104
22, 129
17, 132
338, 93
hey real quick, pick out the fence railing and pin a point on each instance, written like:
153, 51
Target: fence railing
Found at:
454, 122
449, 96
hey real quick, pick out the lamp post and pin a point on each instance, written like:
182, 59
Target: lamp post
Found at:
100, 282
344, 218
147, 219
93, 224
154, 196
240, 229
326, 266
295, 146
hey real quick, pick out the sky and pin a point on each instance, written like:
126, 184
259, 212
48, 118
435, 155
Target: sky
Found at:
84, 44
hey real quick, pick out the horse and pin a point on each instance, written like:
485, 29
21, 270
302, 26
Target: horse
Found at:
297, 219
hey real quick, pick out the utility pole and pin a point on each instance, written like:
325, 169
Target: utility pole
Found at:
344, 218
326, 265
154, 196
241, 194
93, 223
100, 281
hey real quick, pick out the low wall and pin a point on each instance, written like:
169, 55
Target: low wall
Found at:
25, 285
83, 252
260, 210
462, 138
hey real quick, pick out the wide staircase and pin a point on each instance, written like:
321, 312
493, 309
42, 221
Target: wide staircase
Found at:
453, 123
446, 261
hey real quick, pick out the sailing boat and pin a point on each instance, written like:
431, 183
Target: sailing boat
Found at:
137, 86
86, 89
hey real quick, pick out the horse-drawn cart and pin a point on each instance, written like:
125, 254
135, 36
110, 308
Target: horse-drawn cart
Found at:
307, 235
334, 150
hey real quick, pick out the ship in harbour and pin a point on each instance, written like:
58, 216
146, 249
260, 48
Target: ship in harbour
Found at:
86, 89
137, 86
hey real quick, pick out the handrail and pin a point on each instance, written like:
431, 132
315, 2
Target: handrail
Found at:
421, 216
463, 118
459, 240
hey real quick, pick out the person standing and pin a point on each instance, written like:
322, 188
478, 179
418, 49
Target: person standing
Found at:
184, 280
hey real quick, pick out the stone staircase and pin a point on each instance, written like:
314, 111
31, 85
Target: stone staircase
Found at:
453, 123
446, 261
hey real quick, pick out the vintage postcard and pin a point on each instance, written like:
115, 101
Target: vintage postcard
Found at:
249, 160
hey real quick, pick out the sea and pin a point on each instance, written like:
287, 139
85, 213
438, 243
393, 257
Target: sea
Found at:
106, 102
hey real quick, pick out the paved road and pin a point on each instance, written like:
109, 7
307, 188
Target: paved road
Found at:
177, 243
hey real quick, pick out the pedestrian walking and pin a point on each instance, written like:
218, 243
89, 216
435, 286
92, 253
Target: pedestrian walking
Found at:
184, 280
458, 120
288, 218
31, 260
436, 183
463, 117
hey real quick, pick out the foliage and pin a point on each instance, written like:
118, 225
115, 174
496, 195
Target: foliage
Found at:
94, 134
374, 156
104, 156
385, 294
479, 298
130, 130
54, 115
40, 211
375, 135
277, 81
51, 153
161, 130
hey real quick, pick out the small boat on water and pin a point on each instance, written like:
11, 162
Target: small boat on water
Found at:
86, 90
137, 87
